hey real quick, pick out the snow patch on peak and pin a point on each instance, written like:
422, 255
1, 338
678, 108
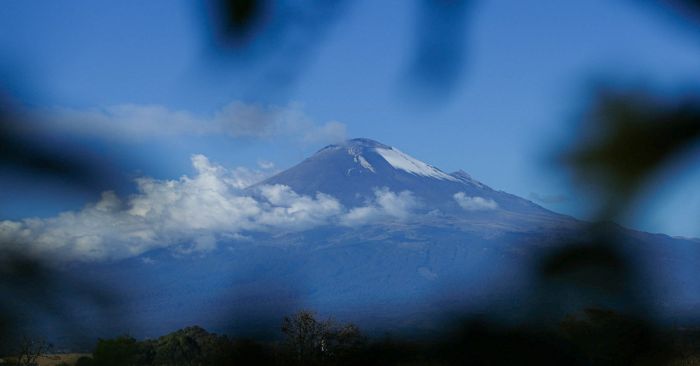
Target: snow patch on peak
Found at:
404, 162
365, 164
358, 158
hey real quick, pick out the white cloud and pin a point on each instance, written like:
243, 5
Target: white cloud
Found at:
189, 215
236, 120
286, 209
386, 205
475, 203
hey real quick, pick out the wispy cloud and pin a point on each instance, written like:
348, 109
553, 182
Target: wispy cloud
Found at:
474, 203
236, 120
190, 215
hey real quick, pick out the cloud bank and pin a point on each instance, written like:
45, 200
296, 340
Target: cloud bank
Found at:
190, 214
475, 203
235, 120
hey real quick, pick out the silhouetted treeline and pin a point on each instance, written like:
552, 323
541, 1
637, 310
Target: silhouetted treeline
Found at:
592, 337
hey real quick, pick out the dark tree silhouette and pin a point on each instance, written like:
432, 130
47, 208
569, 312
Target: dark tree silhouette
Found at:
30, 349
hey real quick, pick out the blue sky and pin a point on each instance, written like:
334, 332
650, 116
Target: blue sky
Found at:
527, 67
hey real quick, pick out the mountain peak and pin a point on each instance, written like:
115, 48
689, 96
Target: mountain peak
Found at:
365, 142
352, 171
362, 149
357, 144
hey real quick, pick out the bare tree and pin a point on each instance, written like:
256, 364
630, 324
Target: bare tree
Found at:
30, 349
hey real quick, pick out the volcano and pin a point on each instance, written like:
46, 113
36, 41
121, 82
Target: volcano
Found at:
430, 243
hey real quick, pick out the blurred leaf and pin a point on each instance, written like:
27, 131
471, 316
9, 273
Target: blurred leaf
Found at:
235, 21
689, 10
632, 135
438, 58
25, 148
587, 266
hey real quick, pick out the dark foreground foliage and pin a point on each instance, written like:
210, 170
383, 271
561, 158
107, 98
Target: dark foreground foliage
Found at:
307, 341
592, 337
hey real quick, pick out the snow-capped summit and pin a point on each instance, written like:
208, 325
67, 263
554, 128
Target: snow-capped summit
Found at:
399, 160
359, 147
353, 170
